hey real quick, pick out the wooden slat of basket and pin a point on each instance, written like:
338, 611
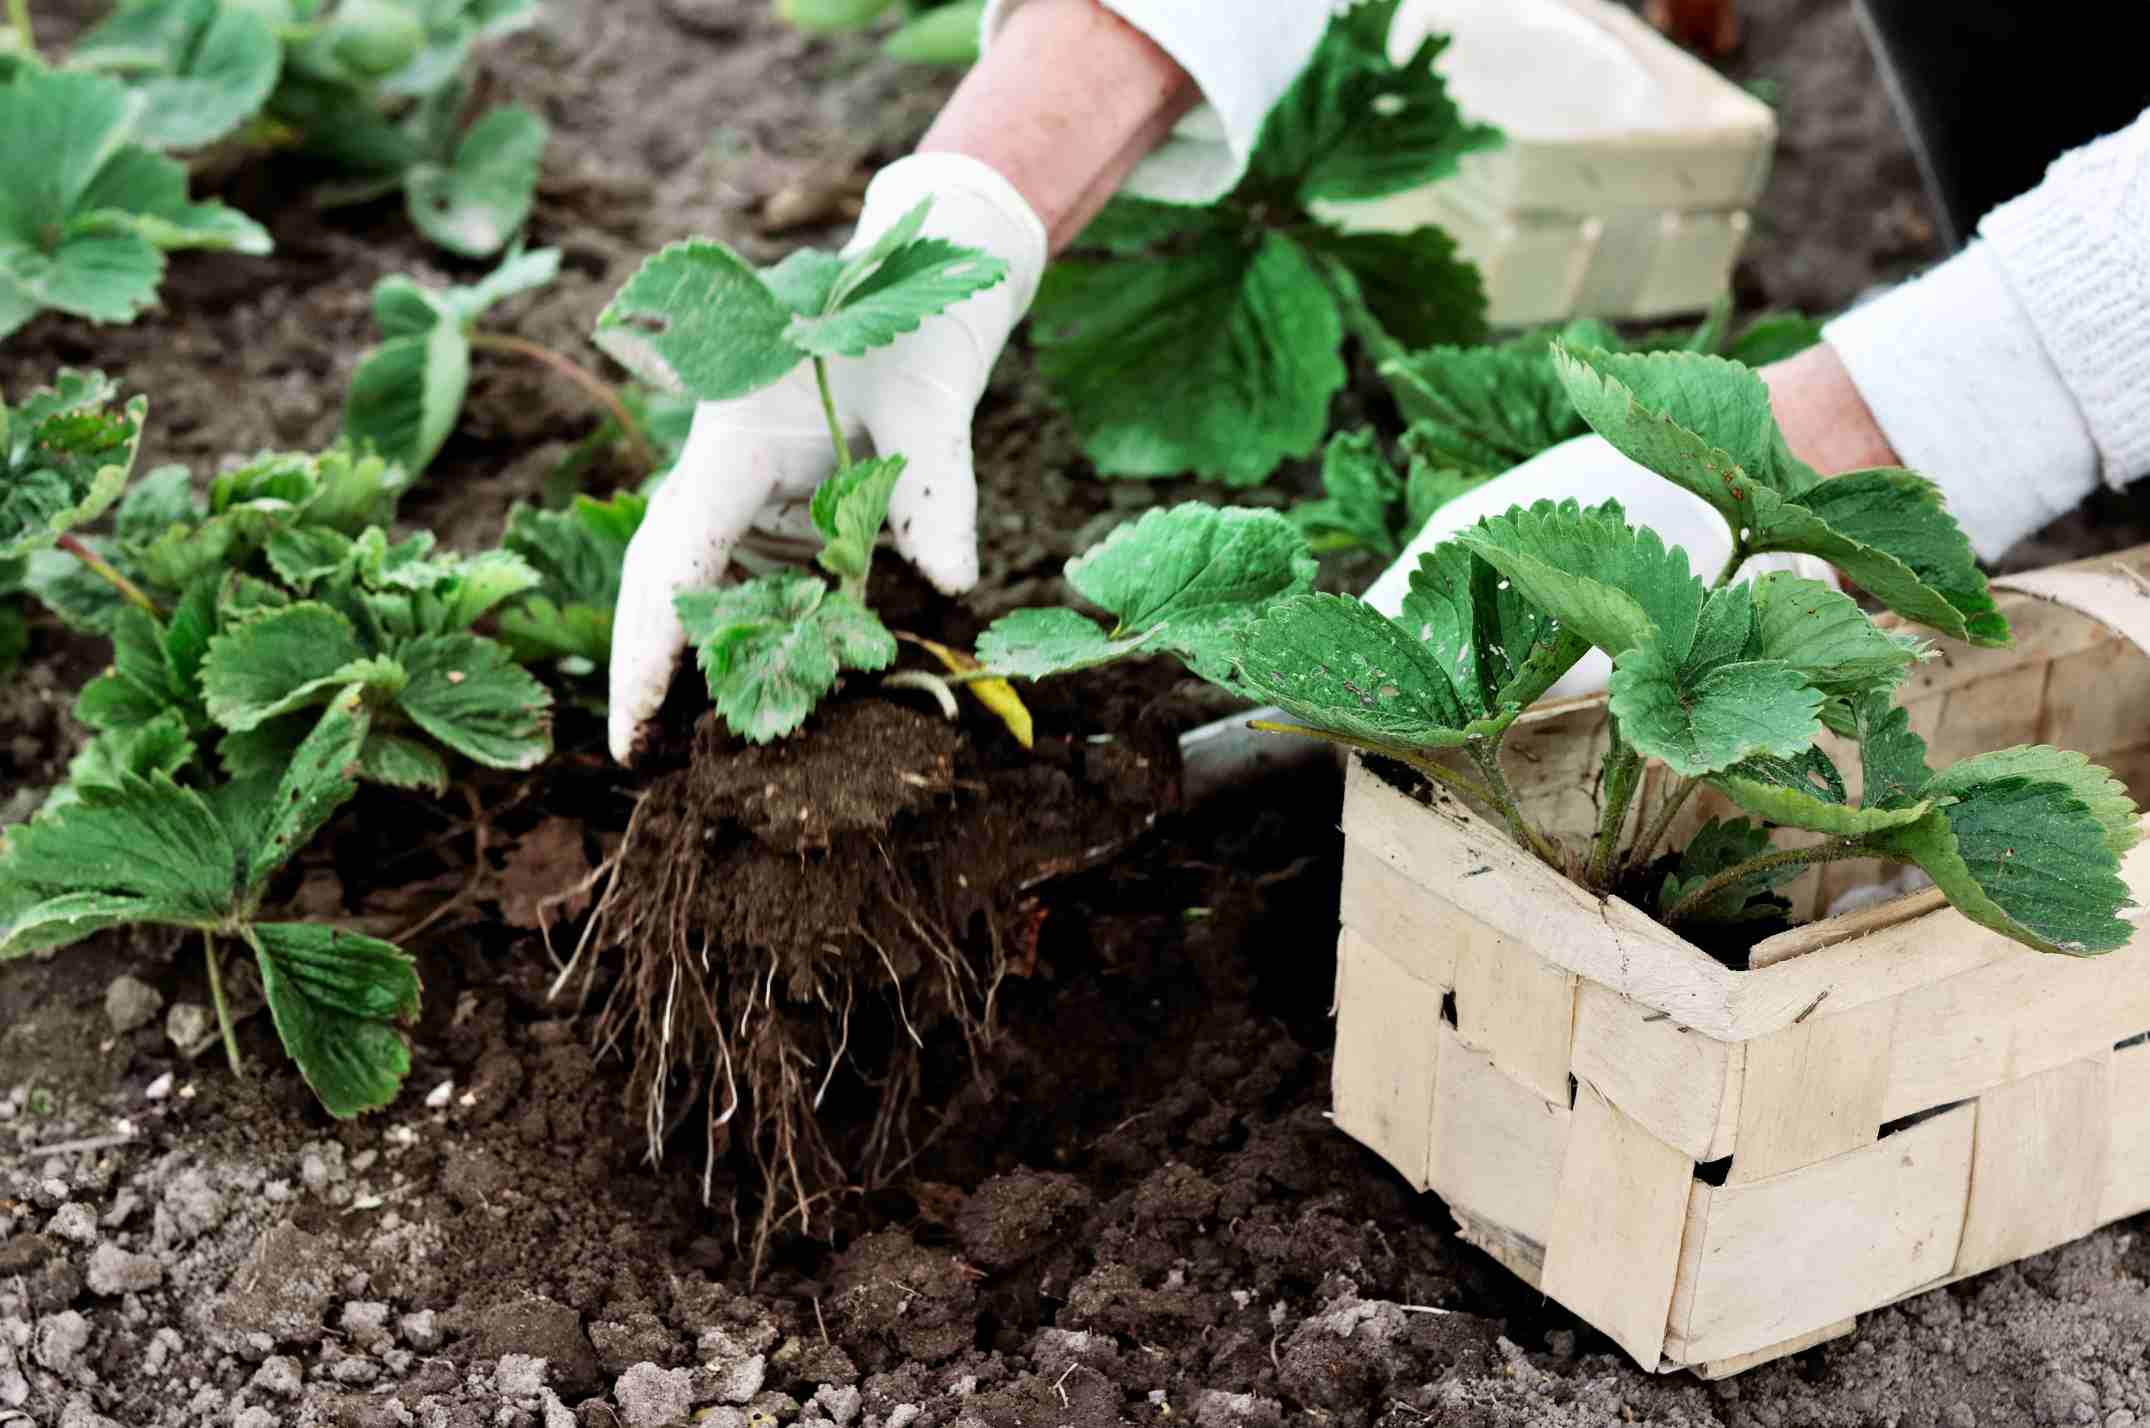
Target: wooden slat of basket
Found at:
1740, 1363
2038, 1166
1680, 1085
1512, 1005
1812, 1090
1393, 913
1615, 1244
1497, 1143
2127, 1170
1382, 1079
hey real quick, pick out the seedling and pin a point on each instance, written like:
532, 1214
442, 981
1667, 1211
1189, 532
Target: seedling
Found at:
698, 318
1727, 684
1240, 309
374, 87
87, 215
407, 394
578, 555
137, 848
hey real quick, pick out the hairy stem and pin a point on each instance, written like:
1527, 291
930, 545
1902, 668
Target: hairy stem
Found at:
18, 15
1675, 799
1460, 783
108, 573
223, 1008
828, 410
596, 388
1503, 798
1623, 773
1829, 852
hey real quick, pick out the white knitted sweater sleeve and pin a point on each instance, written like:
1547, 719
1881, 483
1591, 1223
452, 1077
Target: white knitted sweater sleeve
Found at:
2018, 373
1242, 59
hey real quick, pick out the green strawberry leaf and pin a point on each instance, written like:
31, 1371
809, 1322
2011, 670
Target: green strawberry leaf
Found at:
1882, 523
2024, 857
1616, 586
1359, 489
146, 194
1218, 359
402, 763
162, 745
285, 660
1498, 650
578, 554
1417, 285
474, 204
468, 692
1355, 126
773, 646
2103, 796
318, 780
1336, 664
65, 453
406, 395
200, 68
944, 35
336, 997
849, 510
1893, 771
911, 284
1189, 578
697, 318
1031, 644
1483, 409
1807, 793
805, 279
146, 850
1709, 721
1826, 637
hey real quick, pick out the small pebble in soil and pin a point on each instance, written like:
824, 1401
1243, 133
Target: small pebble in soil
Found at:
131, 1004
651, 1397
113, 1270
190, 1027
74, 1222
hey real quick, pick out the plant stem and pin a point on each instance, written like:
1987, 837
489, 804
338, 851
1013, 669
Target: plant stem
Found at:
1781, 858
1732, 563
595, 387
1623, 772
18, 14
828, 410
107, 572
223, 1009
1503, 798
1460, 783
1675, 799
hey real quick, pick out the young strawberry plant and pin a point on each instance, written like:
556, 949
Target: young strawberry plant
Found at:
697, 318
86, 213
136, 847
936, 32
373, 87
408, 392
1727, 684
578, 555
1240, 309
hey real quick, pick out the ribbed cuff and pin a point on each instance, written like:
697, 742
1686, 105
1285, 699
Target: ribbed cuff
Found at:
2074, 253
1961, 384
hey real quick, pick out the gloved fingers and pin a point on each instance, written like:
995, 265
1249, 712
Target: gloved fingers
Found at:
933, 512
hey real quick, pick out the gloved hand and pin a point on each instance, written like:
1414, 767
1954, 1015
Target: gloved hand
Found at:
754, 461
1586, 469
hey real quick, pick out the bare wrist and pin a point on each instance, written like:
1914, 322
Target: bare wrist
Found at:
1064, 104
1825, 421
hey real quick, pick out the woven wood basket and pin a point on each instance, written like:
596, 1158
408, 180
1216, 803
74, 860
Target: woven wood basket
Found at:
1715, 1167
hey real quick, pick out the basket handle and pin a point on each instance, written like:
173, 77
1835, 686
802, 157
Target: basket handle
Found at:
2108, 591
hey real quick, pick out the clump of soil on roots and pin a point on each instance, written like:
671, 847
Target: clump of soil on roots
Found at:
800, 924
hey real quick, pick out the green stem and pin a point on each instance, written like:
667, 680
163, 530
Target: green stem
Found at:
1675, 799
1460, 783
110, 574
223, 1009
18, 14
1503, 798
1829, 852
595, 387
1732, 563
828, 410
1623, 772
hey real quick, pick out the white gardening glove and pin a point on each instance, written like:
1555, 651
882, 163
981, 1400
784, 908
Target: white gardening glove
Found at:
754, 461
1586, 469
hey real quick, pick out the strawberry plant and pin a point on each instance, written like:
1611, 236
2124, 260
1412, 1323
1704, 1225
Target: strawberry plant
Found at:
697, 318
1476, 412
1240, 308
372, 87
86, 213
133, 846
578, 554
408, 392
1728, 684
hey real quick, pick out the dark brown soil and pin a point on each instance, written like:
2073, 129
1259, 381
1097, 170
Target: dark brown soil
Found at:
1117, 1201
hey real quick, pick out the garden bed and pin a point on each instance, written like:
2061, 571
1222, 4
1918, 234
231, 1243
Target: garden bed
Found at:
1129, 1197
